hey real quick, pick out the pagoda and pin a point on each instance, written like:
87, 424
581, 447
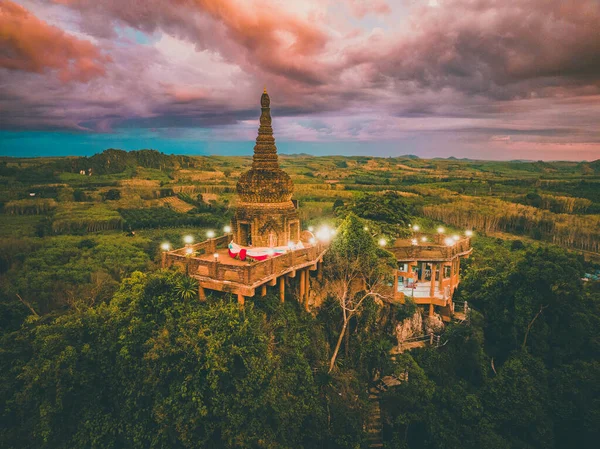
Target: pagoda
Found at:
265, 247
265, 215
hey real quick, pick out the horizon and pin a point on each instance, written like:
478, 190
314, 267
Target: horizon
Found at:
250, 154
494, 81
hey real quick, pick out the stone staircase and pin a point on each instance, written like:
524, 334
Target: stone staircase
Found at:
374, 425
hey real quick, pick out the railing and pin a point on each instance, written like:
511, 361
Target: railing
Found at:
247, 274
461, 307
432, 339
209, 246
431, 250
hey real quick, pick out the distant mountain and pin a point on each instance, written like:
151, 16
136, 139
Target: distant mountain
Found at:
116, 161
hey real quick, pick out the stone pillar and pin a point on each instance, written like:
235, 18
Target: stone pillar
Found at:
282, 288
433, 273
302, 285
201, 293
307, 288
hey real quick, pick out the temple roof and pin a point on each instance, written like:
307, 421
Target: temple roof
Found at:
265, 182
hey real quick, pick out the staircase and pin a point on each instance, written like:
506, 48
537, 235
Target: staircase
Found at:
374, 426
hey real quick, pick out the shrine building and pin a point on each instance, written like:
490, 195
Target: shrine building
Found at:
429, 270
266, 247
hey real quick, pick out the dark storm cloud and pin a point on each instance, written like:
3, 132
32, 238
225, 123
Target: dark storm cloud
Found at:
528, 67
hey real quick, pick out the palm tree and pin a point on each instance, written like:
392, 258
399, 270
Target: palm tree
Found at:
186, 288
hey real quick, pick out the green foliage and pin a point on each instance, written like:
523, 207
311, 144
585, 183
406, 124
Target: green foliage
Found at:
64, 270
155, 217
112, 195
151, 370
388, 213
116, 161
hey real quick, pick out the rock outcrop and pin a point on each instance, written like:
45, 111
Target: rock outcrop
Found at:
410, 327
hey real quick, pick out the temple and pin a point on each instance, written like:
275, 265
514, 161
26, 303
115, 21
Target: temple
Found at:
265, 215
429, 270
266, 247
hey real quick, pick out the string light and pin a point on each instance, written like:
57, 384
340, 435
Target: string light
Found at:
210, 234
469, 233
188, 239
227, 229
166, 246
382, 242
440, 230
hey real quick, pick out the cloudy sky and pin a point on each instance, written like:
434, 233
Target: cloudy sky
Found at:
490, 79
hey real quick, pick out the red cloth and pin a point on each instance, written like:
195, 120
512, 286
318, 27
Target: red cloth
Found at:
242, 254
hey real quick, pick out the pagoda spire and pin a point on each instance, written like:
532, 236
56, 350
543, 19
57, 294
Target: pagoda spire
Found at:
265, 151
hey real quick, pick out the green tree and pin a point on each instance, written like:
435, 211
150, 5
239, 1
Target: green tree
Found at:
356, 270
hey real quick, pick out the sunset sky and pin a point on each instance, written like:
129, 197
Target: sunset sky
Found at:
488, 79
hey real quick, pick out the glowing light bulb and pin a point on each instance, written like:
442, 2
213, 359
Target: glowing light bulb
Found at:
366, 228
416, 228
423, 239
210, 234
166, 246
440, 230
449, 241
216, 256
189, 251
227, 229
414, 242
382, 242
456, 238
324, 234
469, 233
188, 239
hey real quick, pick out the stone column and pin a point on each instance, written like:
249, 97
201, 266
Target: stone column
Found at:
302, 285
433, 273
307, 288
282, 288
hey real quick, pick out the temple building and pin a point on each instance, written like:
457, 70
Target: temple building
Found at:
265, 215
266, 247
429, 270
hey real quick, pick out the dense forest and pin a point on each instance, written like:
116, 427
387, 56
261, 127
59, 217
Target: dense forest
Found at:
101, 348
